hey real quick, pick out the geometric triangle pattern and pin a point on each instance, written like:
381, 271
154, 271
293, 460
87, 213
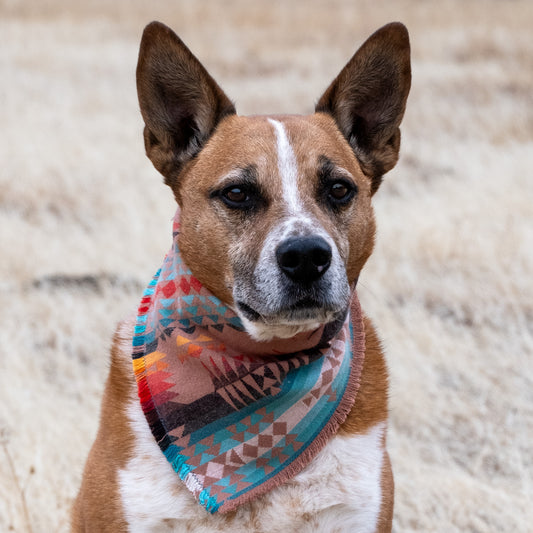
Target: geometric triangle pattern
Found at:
233, 416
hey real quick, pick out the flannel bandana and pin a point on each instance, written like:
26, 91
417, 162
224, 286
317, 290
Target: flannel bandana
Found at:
235, 417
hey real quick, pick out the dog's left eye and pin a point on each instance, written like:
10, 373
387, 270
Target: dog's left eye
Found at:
341, 192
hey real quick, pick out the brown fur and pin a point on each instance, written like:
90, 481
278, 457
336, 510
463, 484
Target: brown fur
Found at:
370, 405
194, 138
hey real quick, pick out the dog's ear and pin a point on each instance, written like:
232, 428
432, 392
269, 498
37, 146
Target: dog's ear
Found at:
180, 102
367, 99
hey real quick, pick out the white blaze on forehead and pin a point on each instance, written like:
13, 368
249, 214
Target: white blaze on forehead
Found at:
288, 169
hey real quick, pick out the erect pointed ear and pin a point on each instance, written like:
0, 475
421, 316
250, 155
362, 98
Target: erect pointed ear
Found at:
180, 102
367, 99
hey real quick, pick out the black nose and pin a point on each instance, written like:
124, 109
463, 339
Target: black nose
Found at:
304, 259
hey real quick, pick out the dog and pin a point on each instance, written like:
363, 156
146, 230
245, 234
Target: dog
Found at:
276, 222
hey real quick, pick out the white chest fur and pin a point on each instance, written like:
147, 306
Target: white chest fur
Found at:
338, 492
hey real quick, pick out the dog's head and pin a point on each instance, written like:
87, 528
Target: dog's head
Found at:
276, 215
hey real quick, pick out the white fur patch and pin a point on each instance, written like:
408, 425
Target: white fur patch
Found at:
339, 491
288, 172
265, 332
150, 489
343, 483
288, 169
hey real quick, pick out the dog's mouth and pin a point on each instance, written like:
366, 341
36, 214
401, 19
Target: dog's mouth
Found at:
248, 312
303, 315
304, 311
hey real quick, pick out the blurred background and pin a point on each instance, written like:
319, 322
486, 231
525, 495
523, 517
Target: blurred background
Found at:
85, 222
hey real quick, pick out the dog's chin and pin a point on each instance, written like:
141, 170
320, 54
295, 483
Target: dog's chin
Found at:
266, 332
283, 325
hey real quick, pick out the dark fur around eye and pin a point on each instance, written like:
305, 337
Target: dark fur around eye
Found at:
242, 193
334, 189
238, 196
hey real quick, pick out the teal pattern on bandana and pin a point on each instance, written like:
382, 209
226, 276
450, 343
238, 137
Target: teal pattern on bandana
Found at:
233, 416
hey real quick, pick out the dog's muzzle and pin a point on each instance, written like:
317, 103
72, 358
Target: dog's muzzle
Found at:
304, 293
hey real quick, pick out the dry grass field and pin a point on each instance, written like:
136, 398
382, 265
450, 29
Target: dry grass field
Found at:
85, 221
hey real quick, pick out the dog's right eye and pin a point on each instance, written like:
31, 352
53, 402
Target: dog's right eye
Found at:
237, 197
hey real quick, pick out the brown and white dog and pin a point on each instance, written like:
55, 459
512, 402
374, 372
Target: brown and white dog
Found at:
245, 185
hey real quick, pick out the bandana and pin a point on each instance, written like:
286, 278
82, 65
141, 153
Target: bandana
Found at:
236, 417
